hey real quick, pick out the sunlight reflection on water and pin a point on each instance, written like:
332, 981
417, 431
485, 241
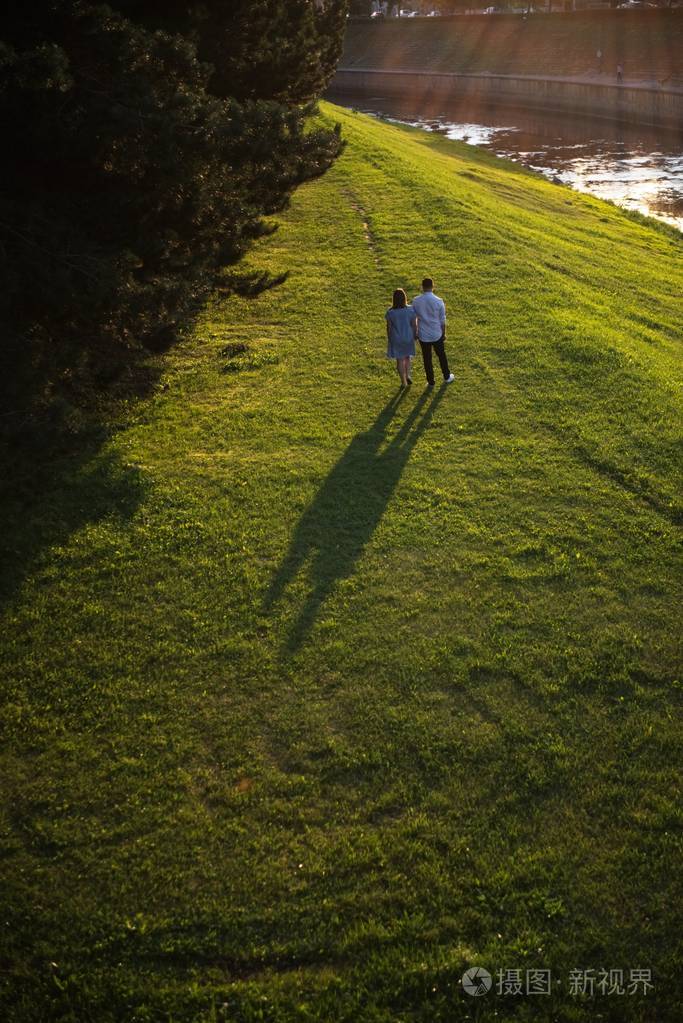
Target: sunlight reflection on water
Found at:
627, 172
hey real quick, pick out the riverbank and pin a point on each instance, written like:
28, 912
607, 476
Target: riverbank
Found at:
318, 693
636, 167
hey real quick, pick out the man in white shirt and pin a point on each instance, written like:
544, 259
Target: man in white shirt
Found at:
431, 330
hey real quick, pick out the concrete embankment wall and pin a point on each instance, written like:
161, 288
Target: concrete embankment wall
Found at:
636, 104
648, 43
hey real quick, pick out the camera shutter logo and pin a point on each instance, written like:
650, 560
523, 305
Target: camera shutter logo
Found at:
476, 981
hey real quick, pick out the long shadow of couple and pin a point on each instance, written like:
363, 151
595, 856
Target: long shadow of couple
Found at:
335, 528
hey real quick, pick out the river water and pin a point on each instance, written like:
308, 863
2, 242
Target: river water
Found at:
640, 168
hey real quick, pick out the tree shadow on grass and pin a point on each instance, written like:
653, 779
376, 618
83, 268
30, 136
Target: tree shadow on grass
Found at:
347, 509
50, 494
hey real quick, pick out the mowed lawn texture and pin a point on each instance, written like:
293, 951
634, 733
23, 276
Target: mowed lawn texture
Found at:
317, 693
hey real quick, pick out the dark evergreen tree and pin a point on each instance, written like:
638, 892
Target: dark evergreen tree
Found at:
284, 50
134, 172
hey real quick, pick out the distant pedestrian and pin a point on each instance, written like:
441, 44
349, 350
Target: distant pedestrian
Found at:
401, 331
599, 56
620, 73
431, 330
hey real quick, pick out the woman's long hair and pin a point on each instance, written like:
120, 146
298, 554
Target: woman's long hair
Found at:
400, 299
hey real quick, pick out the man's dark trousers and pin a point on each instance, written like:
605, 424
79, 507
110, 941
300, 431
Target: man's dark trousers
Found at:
439, 348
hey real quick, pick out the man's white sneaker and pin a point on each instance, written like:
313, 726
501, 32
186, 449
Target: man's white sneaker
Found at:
450, 379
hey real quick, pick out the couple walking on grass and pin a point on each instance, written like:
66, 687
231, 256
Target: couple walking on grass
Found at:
423, 321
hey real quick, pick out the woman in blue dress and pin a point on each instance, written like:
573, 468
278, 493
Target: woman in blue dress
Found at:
401, 331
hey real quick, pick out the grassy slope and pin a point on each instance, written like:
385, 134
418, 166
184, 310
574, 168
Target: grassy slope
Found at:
319, 693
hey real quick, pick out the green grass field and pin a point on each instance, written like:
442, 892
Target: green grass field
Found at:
317, 693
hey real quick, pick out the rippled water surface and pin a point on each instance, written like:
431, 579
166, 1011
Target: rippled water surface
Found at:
640, 168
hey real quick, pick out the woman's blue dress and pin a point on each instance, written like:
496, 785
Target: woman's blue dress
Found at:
401, 332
